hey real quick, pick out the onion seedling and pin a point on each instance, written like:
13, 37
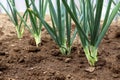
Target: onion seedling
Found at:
60, 31
88, 26
36, 24
14, 18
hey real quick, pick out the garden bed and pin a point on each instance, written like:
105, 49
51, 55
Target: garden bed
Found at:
22, 60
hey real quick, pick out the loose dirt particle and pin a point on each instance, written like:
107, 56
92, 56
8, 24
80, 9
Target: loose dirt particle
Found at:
32, 42
3, 67
101, 62
117, 34
2, 53
55, 52
118, 58
32, 49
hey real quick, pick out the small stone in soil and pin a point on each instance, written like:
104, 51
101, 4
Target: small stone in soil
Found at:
68, 76
16, 49
21, 60
93, 79
45, 72
1, 72
12, 45
90, 69
115, 75
10, 79
67, 60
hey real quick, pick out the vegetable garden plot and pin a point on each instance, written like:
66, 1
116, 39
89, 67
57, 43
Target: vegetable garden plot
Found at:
59, 50
28, 62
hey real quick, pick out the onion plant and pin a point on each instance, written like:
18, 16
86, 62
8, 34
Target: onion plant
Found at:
36, 24
14, 17
115, 2
60, 30
88, 24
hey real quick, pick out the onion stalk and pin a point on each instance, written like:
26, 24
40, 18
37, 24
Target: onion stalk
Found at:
36, 25
14, 17
88, 25
60, 31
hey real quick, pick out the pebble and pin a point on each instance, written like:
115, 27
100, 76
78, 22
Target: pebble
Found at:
12, 45
21, 60
1, 72
67, 60
68, 76
115, 75
90, 69
45, 72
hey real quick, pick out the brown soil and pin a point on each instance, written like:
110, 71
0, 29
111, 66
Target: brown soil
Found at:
22, 60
